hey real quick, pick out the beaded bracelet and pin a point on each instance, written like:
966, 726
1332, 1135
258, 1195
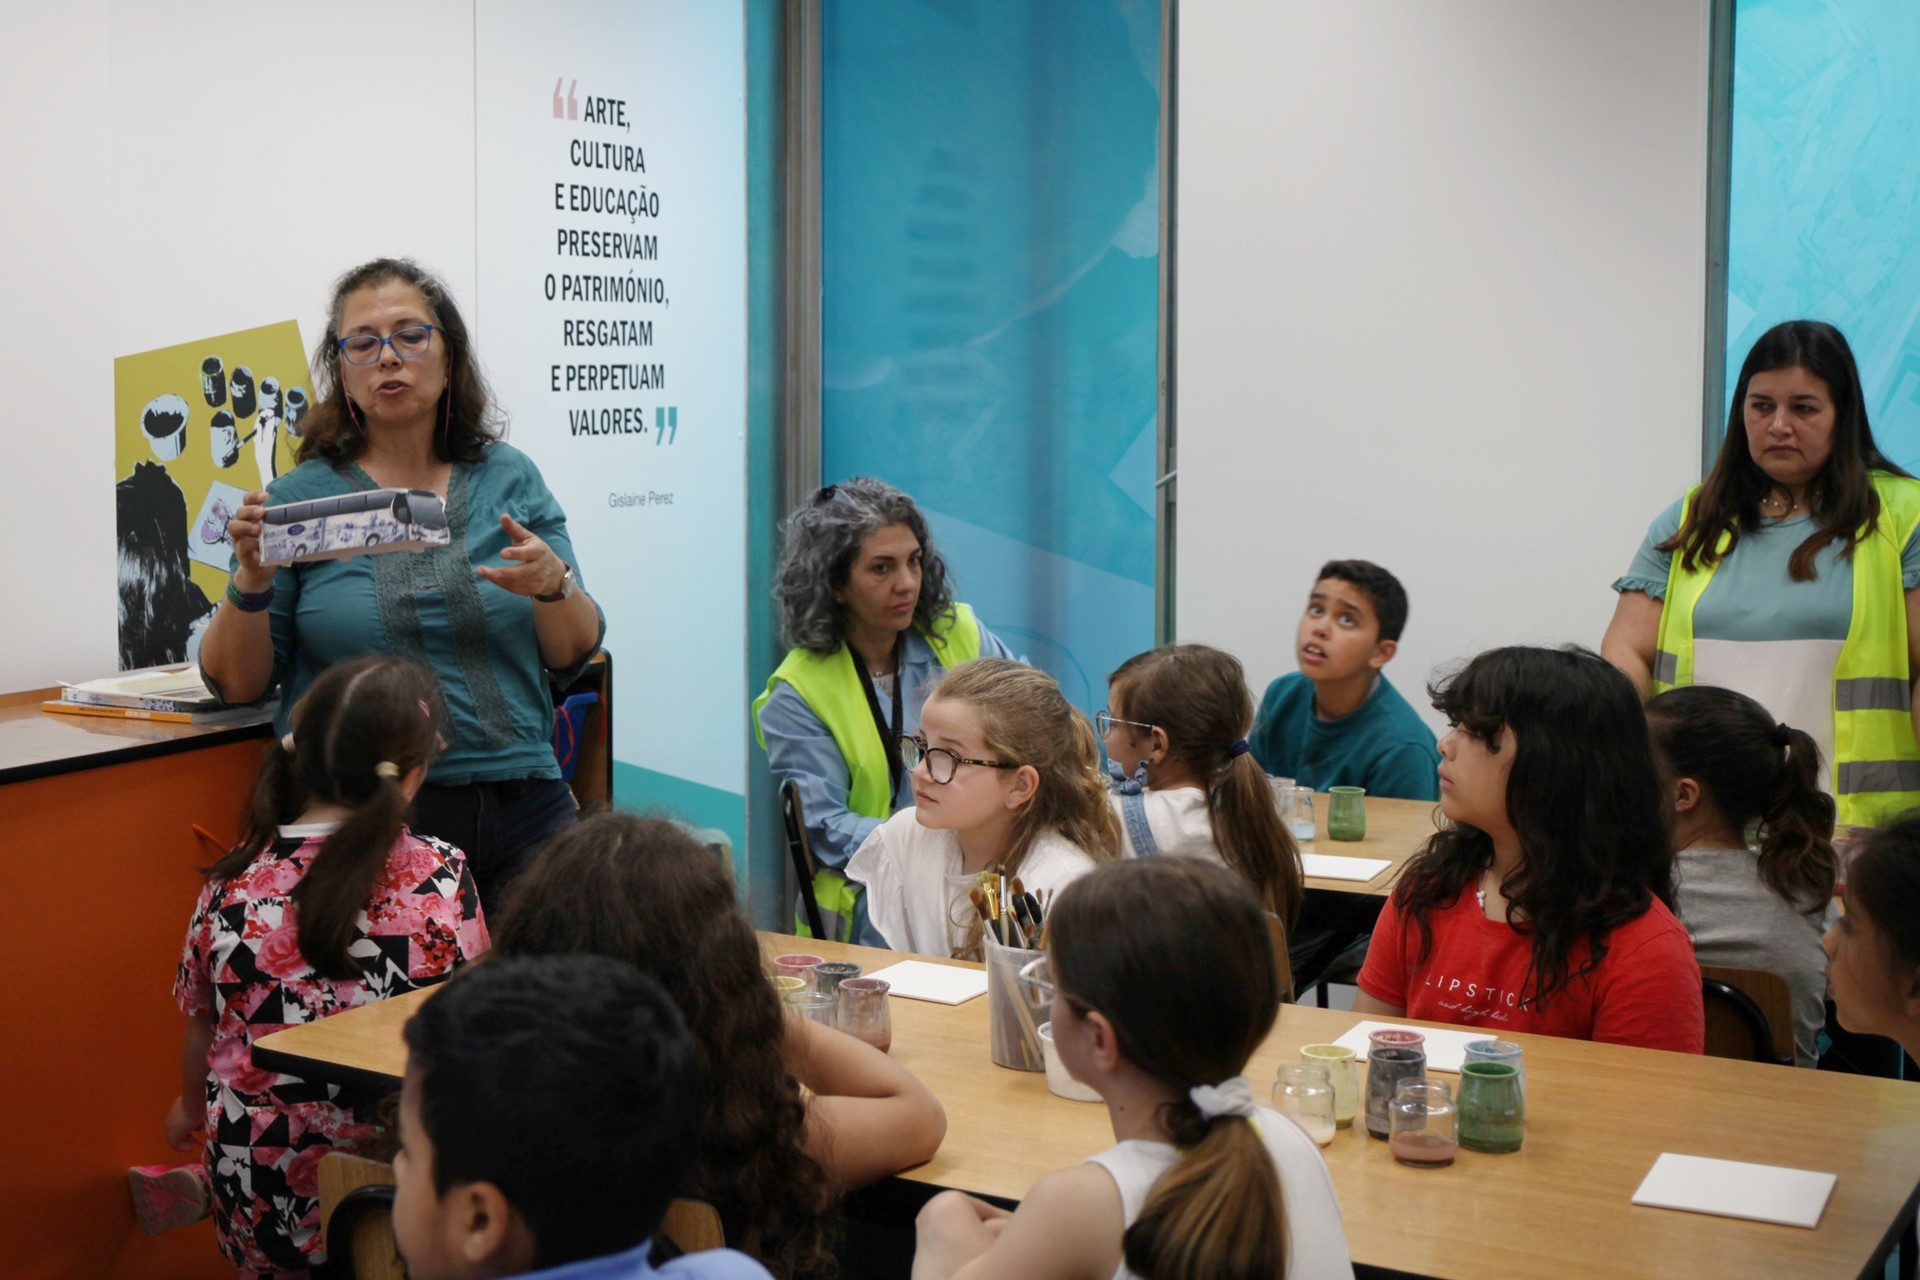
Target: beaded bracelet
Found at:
249, 602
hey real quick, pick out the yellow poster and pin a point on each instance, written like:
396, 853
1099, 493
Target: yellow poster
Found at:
196, 428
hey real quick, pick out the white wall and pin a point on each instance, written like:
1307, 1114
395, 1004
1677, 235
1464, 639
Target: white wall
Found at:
1441, 282
55, 229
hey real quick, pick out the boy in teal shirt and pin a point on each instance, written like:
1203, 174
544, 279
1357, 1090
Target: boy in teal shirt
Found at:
1338, 721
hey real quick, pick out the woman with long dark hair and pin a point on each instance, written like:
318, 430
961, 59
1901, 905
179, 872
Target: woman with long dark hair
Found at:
1545, 903
1793, 573
1752, 837
497, 614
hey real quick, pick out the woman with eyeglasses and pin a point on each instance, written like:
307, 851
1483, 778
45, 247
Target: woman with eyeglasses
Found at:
868, 610
1006, 777
498, 615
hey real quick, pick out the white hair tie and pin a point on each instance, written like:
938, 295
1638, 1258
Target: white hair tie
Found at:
386, 769
1231, 1097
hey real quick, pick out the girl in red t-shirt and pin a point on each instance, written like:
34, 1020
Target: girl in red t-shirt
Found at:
1545, 904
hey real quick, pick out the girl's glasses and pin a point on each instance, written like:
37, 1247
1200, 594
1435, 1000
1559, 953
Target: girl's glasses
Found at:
409, 343
1105, 721
941, 763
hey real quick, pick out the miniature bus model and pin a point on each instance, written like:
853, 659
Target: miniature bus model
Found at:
354, 524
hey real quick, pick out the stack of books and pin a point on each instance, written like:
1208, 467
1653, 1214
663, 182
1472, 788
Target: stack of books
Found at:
157, 693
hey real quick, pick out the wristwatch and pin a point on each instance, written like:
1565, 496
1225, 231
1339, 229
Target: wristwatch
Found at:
566, 588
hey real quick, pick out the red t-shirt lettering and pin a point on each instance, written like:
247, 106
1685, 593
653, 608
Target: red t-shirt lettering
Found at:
1646, 991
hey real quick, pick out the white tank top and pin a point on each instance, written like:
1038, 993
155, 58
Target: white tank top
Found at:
1316, 1238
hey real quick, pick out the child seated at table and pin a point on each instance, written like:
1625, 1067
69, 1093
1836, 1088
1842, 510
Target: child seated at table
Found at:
1174, 730
1730, 773
549, 1116
1544, 904
795, 1111
1873, 949
328, 902
1006, 777
1162, 980
1338, 721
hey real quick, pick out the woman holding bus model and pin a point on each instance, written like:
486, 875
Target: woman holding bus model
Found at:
499, 614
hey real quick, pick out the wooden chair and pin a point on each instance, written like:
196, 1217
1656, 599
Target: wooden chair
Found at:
356, 1218
1283, 967
800, 851
357, 1195
1749, 1014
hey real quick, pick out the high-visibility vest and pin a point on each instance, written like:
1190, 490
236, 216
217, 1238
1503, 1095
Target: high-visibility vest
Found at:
1875, 770
831, 687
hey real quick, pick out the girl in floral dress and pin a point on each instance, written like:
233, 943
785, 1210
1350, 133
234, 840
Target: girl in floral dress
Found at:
327, 903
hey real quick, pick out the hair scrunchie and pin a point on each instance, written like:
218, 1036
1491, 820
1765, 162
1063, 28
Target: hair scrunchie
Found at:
1781, 735
386, 769
1231, 1097
286, 742
1239, 747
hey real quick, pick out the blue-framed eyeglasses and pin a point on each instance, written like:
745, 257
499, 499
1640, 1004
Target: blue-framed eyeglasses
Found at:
409, 343
941, 763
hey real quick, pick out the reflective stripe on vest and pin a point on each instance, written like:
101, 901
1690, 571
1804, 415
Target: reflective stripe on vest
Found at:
831, 688
1875, 770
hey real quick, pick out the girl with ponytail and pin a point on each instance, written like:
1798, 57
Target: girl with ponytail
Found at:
1161, 973
1006, 777
1752, 835
1182, 713
327, 902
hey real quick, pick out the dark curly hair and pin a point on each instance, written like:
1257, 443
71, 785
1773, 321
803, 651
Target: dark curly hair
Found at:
1583, 797
643, 891
333, 431
822, 539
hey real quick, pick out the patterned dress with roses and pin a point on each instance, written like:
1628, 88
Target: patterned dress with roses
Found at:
243, 969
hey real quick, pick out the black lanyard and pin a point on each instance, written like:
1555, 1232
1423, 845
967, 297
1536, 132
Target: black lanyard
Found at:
889, 735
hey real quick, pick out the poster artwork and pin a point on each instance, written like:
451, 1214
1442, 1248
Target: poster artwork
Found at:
197, 427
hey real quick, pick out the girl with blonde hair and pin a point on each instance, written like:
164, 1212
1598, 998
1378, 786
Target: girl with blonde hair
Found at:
1005, 778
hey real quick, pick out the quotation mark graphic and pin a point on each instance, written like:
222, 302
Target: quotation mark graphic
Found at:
666, 425
569, 108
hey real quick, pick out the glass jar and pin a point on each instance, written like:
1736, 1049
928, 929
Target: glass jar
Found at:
1393, 1055
1347, 813
1424, 1124
1304, 1095
1493, 1110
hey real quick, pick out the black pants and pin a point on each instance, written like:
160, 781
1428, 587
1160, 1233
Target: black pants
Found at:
500, 826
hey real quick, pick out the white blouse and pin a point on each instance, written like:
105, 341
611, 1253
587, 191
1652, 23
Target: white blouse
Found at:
917, 893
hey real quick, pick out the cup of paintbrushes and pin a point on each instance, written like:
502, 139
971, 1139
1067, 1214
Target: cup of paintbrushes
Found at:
1013, 1024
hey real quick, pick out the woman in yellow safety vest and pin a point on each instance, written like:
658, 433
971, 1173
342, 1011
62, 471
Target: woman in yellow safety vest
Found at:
1793, 573
867, 608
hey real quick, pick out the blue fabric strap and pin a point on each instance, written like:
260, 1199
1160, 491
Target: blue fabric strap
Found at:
1133, 808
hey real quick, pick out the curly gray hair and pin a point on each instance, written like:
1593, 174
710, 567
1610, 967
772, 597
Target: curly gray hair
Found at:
822, 539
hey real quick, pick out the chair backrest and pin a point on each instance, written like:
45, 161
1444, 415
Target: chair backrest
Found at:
1282, 963
800, 851
357, 1194
1749, 1014
693, 1225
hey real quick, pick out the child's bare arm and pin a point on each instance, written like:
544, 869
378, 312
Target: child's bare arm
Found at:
868, 1117
188, 1111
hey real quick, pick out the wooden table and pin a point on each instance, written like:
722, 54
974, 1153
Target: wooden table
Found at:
1600, 1115
1395, 831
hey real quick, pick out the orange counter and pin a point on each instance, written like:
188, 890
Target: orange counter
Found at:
97, 878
